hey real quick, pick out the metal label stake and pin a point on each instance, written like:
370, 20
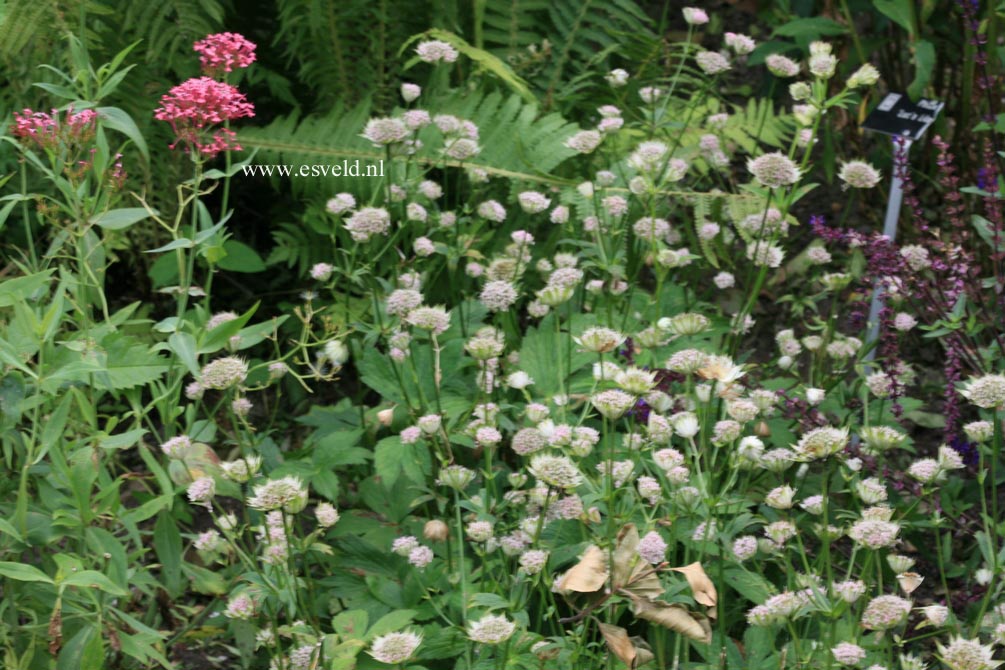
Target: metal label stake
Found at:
906, 122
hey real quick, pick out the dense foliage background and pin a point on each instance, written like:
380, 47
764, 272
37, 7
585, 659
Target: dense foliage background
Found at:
587, 380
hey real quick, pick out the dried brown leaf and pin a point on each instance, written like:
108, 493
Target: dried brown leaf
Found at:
626, 554
701, 586
630, 571
587, 576
674, 617
628, 649
909, 581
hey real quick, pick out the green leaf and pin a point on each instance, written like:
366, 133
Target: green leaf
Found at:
390, 623
483, 58
128, 363
167, 546
23, 289
183, 345
180, 243
924, 64
898, 11
120, 219
84, 651
208, 582
810, 28
23, 572
240, 258
388, 460
94, 580
340, 448
117, 119
7, 528
750, 585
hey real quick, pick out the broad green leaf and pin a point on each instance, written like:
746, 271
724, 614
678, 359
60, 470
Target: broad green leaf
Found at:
750, 585
810, 28
94, 580
117, 119
23, 572
128, 363
391, 622
898, 11
486, 60
120, 219
183, 345
924, 65
240, 258
84, 651
167, 546
22, 289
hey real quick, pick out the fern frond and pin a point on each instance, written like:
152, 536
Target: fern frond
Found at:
347, 49
583, 28
170, 27
516, 142
757, 123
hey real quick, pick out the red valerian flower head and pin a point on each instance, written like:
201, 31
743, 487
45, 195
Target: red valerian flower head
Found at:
196, 108
222, 52
46, 131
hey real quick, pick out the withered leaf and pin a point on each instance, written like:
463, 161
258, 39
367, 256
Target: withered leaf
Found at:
629, 650
629, 567
701, 586
587, 576
909, 581
625, 554
674, 617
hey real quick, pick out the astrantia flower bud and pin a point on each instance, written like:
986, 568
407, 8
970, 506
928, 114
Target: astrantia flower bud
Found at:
885, 612
688, 323
979, 431
780, 66
899, 563
652, 548
859, 174
867, 75
800, 91
395, 648
774, 170
336, 352
617, 78
326, 514
987, 392
695, 16
612, 403
685, 424
712, 62
410, 92
242, 469
201, 491
780, 497
224, 373
599, 340
435, 51
491, 629
871, 491
821, 443
456, 477
584, 142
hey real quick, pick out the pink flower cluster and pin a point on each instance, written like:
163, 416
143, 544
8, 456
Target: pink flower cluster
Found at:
45, 130
196, 107
222, 52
